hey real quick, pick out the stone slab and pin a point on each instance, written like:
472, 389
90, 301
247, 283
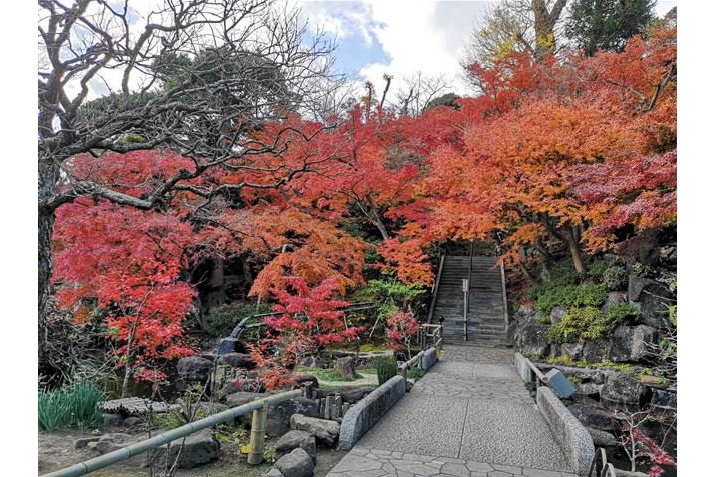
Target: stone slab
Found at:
509, 433
572, 436
369, 462
427, 425
363, 415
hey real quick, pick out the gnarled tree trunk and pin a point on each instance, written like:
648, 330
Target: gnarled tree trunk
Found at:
48, 183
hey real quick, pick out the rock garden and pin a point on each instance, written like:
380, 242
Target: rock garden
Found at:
612, 333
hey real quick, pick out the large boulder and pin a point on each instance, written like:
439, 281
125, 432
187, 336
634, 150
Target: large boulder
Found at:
631, 343
622, 388
354, 394
593, 417
299, 380
294, 439
197, 449
588, 389
107, 442
279, 414
664, 400
296, 464
346, 368
232, 386
602, 438
652, 298
557, 315
573, 350
532, 340
240, 398
312, 361
597, 351
243, 397
614, 298
236, 360
194, 369
326, 432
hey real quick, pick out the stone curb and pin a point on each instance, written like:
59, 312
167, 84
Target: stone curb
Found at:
429, 357
363, 415
568, 431
522, 368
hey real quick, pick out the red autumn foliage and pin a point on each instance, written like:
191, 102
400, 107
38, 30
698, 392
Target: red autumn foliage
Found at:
310, 319
401, 327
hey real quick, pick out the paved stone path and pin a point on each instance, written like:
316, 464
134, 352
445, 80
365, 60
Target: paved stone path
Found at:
469, 416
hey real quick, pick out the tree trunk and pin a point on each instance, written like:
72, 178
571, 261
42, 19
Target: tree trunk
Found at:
575, 251
48, 176
544, 23
45, 224
381, 227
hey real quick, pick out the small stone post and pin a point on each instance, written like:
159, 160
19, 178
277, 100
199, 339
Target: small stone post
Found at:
258, 433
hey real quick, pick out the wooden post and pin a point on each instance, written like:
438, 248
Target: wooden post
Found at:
258, 433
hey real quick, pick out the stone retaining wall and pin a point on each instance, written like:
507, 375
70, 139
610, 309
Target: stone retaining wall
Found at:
362, 416
568, 431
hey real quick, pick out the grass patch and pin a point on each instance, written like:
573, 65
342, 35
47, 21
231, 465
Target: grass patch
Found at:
567, 361
76, 405
369, 347
328, 374
623, 367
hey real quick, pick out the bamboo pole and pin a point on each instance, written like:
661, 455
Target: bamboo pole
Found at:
258, 434
128, 452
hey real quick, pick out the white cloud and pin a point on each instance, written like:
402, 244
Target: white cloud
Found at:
416, 36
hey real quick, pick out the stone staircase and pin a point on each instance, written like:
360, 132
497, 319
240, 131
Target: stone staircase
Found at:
485, 318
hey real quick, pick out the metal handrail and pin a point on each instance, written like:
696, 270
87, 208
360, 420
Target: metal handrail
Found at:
91, 465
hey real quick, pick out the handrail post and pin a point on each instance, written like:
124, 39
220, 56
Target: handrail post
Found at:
258, 433
465, 289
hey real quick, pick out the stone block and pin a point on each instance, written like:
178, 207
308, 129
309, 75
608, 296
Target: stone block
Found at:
522, 368
429, 357
363, 415
572, 436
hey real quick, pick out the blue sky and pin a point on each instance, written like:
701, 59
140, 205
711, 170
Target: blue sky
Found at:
402, 37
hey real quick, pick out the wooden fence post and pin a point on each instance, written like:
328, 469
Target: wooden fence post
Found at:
258, 433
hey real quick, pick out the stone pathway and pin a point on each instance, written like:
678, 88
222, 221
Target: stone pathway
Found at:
469, 416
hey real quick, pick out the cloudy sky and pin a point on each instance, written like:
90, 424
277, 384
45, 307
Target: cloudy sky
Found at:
401, 37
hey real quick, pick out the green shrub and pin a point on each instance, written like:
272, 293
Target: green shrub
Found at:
53, 410
222, 319
544, 319
621, 312
641, 270
386, 368
615, 278
561, 275
571, 296
585, 323
597, 269
76, 405
415, 374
